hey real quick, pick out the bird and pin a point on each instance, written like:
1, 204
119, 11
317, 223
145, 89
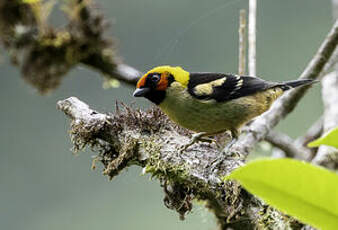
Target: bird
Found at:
210, 103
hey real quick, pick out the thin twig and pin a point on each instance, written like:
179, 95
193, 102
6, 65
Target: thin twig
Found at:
330, 64
108, 67
252, 37
312, 133
287, 144
277, 153
242, 42
335, 9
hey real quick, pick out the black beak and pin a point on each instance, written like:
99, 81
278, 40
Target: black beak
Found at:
141, 92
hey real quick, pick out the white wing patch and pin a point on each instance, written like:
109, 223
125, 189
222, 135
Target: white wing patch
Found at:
238, 85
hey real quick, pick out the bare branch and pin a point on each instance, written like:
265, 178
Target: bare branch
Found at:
108, 67
252, 36
127, 74
277, 153
242, 42
312, 133
286, 147
260, 127
330, 64
286, 143
335, 9
328, 156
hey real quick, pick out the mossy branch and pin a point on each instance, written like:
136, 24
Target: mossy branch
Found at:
151, 141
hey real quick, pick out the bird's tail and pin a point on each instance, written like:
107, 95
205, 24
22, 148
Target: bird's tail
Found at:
295, 83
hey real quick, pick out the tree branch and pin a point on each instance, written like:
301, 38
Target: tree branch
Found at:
330, 64
290, 147
335, 9
45, 54
242, 42
252, 36
312, 133
328, 156
260, 127
119, 71
148, 139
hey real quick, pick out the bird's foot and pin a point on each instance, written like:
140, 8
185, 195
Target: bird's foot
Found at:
221, 157
196, 137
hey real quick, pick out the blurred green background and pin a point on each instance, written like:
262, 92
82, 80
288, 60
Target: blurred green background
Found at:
44, 186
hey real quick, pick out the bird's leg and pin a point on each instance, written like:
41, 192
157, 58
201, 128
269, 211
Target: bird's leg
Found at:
220, 158
230, 144
234, 135
196, 137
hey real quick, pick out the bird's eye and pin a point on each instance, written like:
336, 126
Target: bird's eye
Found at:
155, 78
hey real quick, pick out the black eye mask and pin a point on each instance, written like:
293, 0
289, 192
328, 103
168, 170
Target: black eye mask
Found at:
152, 80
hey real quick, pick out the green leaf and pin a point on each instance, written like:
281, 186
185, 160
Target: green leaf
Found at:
331, 139
30, 1
307, 192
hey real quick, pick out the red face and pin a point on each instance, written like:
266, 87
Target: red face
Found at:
156, 81
153, 85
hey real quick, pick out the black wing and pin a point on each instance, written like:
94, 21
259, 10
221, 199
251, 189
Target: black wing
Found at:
224, 87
